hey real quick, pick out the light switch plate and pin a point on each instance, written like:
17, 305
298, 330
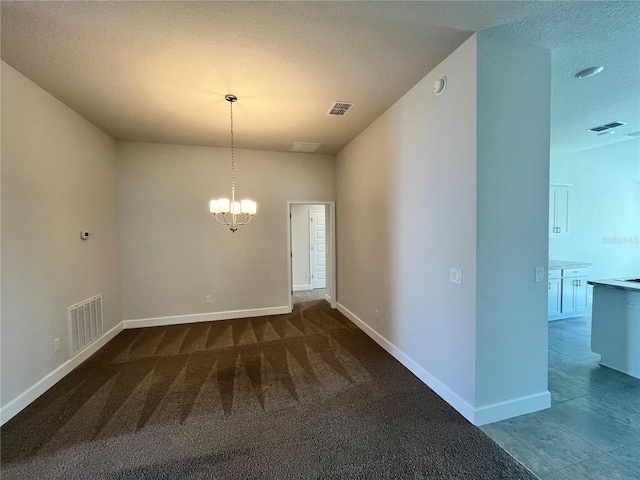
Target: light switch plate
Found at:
455, 275
539, 274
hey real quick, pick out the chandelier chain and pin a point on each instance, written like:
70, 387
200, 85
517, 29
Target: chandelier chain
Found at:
233, 178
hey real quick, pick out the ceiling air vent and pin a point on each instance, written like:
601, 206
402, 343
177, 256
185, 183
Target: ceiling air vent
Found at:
633, 134
340, 109
305, 147
607, 126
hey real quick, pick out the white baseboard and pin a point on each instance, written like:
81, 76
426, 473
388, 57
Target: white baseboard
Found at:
204, 317
16, 405
302, 288
25, 398
327, 297
477, 416
512, 408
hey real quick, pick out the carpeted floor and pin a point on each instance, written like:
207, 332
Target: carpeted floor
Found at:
300, 396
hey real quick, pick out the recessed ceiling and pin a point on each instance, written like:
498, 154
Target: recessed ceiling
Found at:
158, 71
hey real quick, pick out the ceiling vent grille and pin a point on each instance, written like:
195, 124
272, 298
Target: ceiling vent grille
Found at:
340, 109
633, 134
606, 126
305, 147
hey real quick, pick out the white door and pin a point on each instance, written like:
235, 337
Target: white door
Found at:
317, 235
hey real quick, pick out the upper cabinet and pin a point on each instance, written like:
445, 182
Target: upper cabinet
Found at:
558, 210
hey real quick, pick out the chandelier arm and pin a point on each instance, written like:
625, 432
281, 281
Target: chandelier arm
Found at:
226, 220
218, 220
244, 221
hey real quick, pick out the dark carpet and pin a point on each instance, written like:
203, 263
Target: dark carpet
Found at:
305, 395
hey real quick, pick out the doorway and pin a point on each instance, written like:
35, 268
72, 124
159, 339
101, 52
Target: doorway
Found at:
311, 240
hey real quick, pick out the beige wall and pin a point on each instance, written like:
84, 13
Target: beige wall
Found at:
58, 178
406, 213
173, 253
457, 180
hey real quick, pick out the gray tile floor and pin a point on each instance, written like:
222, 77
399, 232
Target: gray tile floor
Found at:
592, 430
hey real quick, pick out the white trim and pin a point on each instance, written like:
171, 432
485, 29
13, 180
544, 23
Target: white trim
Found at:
204, 317
23, 400
512, 408
327, 297
477, 416
436, 385
302, 288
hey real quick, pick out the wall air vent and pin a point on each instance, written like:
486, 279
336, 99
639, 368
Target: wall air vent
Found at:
606, 126
305, 147
633, 134
85, 323
340, 109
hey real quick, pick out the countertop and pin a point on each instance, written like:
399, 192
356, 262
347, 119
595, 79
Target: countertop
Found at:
613, 283
560, 264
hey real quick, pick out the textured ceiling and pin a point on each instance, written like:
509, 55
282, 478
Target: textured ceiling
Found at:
158, 71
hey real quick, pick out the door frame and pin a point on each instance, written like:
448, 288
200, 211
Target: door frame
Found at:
330, 221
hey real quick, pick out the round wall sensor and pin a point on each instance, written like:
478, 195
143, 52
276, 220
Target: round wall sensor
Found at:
440, 85
589, 72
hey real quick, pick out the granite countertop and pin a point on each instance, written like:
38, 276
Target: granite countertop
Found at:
560, 264
617, 283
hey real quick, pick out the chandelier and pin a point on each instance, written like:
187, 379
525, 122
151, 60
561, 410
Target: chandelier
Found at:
232, 213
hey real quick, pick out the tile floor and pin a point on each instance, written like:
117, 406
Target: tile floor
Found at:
592, 430
307, 295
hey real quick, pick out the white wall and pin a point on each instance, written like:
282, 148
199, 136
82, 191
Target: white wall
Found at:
604, 210
58, 178
301, 259
173, 253
406, 213
512, 234
458, 180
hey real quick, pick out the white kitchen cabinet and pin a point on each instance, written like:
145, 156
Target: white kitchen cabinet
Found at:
574, 295
555, 293
568, 292
558, 210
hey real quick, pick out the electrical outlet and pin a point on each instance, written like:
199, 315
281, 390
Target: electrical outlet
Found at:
207, 298
455, 275
539, 274
376, 314
56, 345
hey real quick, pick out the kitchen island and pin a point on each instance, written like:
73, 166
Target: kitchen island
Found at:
615, 324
